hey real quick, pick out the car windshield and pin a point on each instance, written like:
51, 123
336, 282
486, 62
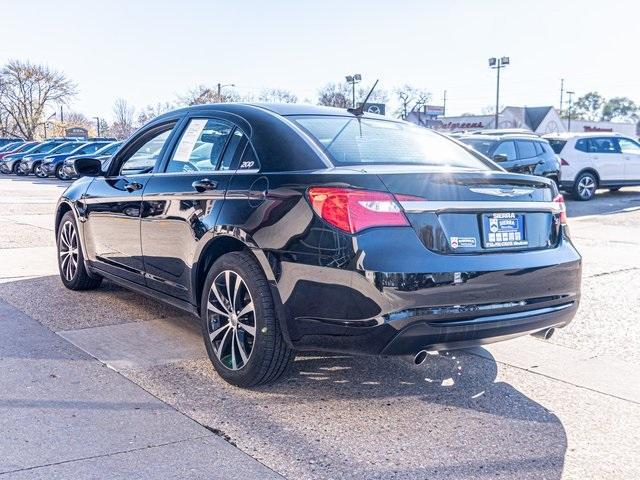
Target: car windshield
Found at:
479, 144
65, 148
42, 148
557, 144
366, 141
110, 149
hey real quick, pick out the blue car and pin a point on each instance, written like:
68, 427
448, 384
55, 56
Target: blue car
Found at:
104, 155
32, 163
10, 163
54, 164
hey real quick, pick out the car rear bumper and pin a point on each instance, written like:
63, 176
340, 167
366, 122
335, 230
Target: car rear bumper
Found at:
402, 313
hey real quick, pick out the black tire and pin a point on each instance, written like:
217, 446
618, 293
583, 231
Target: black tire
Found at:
37, 170
585, 186
269, 355
59, 173
15, 170
73, 278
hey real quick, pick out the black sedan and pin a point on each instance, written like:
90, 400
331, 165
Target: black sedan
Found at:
288, 228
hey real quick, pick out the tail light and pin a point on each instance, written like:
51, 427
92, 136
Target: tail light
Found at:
564, 163
559, 199
355, 210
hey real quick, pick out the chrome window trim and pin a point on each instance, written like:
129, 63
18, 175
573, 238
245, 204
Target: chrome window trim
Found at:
479, 206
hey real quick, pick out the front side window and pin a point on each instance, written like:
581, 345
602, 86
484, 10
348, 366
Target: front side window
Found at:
201, 146
628, 147
508, 149
145, 157
526, 149
365, 141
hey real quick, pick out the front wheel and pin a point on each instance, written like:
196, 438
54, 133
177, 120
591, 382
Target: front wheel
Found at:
585, 186
239, 323
60, 172
73, 273
37, 170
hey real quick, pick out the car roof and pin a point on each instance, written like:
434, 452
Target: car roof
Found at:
496, 138
281, 109
568, 135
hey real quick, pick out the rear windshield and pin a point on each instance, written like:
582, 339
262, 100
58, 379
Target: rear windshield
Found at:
365, 141
556, 144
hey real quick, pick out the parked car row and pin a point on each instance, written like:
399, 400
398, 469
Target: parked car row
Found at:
45, 159
580, 163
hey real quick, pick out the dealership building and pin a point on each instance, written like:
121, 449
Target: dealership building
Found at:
540, 120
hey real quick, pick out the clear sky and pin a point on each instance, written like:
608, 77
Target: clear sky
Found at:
151, 51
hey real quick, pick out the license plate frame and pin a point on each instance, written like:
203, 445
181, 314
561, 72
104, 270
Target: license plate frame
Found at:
504, 230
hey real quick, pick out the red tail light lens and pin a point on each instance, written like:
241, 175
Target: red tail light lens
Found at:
564, 163
355, 210
563, 209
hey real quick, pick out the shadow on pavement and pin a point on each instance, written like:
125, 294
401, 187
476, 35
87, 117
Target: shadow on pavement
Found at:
604, 203
337, 416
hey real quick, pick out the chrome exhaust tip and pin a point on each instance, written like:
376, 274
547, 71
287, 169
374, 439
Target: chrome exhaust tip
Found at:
545, 334
420, 357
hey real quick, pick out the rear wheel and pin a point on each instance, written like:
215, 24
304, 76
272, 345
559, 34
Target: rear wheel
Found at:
239, 324
585, 186
73, 273
16, 169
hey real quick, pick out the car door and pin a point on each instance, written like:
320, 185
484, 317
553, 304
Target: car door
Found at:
630, 151
112, 205
527, 156
181, 203
606, 159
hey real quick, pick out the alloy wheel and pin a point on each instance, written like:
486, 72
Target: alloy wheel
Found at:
68, 251
231, 320
586, 187
37, 170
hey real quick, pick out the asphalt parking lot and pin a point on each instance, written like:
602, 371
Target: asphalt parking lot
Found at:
111, 381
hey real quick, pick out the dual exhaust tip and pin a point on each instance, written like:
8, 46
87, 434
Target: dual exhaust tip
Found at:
545, 334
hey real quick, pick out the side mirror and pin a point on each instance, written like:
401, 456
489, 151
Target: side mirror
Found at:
88, 167
500, 158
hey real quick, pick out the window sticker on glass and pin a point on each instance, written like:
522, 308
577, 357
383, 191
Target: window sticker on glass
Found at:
189, 139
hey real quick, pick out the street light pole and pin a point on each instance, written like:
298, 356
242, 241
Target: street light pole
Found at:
220, 88
569, 111
353, 79
98, 124
498, 64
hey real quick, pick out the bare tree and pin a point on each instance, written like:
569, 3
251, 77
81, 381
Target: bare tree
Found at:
203, 94
411, 99
122, 125
277, 95
26, 90
340, 95
150, 112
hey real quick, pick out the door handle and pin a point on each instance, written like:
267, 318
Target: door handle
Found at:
133, 186
204, 185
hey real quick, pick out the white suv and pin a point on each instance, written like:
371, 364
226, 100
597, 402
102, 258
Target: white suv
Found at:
589, 161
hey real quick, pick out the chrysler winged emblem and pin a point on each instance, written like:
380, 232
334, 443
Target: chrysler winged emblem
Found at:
503, 192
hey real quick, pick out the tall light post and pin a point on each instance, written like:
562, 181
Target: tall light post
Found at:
353, 79
569, 111
45, 123
97, 125
498, 64
221, 86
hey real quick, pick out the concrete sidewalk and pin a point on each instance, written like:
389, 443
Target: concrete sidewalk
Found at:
63, 414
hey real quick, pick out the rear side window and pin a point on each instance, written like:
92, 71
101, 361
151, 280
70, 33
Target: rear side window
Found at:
366, 141
201, 146
526, 149
603, 145
582, 145
508, 149
557, 145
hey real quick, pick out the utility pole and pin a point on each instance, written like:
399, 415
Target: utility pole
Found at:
61, 115
569, 111
444, 104
561, 95
353, 79
98, 124
498, 64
